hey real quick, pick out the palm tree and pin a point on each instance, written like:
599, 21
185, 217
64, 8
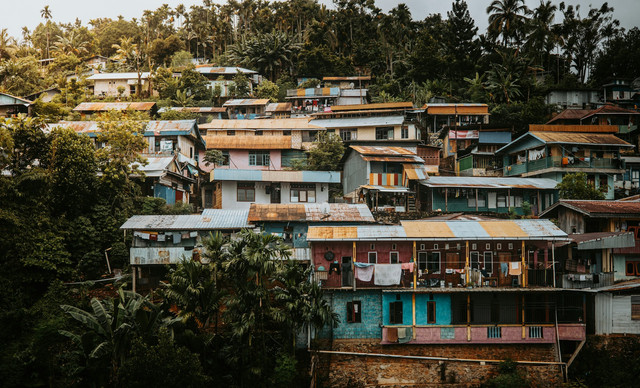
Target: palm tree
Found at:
503, 84
71, 43
541, 38
45, 13
7, 45
506, 18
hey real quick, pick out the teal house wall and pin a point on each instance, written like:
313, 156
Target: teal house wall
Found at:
443, 308
371, 314
461, 204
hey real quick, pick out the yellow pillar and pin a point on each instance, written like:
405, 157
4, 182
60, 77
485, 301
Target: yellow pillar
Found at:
415, 267
524, 272
466, 263
523, 323
413, 305
353, 266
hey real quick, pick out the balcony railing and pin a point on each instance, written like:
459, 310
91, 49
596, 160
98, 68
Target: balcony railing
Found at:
482, 334
577, 281
557, 161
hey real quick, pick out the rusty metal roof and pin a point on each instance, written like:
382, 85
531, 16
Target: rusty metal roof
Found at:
381, 105
400, 159
570, 114
153, 127
611, 109
456, 230
580, 138
599, 209
246, 102
279, 107
108, 76
199, 109
311, 212
356, 122
243, 142
208, 68
348, 78
298, 123
460, 109
573, 128
107, 106
382, 151
210, 219
490, 182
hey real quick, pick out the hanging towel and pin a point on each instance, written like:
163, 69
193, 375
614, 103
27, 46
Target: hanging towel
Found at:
504, 267
408, 266
363, 265
177, 238
193, 234
144, 236
161, 237
407, 335
514, 268
364, 273
387, 274
392, 334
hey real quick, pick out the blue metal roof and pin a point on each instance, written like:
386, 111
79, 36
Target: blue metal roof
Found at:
494, 137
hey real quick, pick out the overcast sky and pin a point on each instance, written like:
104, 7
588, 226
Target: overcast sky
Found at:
16, 14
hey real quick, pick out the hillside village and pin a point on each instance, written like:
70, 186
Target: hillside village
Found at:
171, 202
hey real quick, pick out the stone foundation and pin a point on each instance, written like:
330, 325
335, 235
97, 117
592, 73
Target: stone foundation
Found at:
370, 371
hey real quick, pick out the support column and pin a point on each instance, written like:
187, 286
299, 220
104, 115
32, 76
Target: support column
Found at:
553, 262
446, 199
353, 266
524, 271
468, 317
415, 268
466, 263
134, 271
413, 307
476, 199
524, 334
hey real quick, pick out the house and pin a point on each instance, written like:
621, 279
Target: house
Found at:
46, 95
443, 289
586, 217
163, 136
372, 124
98, 62
121, 84
161, 240
486, 194
622, 92
431, 156
88, 109
222, 77
617, 309
249, 108
383, 177
312, 100
355, 82
628, 183
573, 98
551, 151
441, 115
278, 110
292, 221
11, 106
479, 158
170, 177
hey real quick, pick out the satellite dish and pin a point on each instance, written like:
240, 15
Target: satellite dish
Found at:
329, 256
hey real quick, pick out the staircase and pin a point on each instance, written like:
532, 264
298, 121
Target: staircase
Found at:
411, 203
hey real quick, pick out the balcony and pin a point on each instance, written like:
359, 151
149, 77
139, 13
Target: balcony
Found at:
479, 334
558, 162
578, 281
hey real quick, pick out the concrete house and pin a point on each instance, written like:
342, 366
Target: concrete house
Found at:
121, 84
479, 157
249, 108
222, 77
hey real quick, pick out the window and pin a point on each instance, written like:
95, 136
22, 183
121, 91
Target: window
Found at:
373, 257
446, 246
384, 133
635, 308
535, 332
494, 332
510, 246
231, 133
474, 246
372, 246
431, 312
354, 312
457, 246
394, 247
603, 185
632, 268
345, 134
422, 247
422, 261
286, 133
246, 192
303, 193
395, 313
474, 260
487, 246
435, 246
502, 201
433, 262
635, 175
259, 158
259, 133
225, 158
498, 246
404, 132
393, 257
488, 262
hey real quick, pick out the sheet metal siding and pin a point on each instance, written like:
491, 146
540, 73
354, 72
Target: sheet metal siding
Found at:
621, 316
603, 313
298, 123
356, 172
359, 122
490, 182
522, 143
494, 137
158, 255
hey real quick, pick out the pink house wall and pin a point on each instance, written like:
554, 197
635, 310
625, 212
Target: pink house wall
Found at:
572, 332
510, 335
240, 160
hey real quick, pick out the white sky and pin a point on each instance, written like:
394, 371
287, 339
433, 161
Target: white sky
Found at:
16, 14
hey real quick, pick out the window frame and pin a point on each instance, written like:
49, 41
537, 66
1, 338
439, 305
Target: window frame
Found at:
477, 264
431, 261
488, 269
395, 313
246, 188
635, 302
431, 311
375, 257
354, 315
259, 158
397, 260
308, 190
425, 261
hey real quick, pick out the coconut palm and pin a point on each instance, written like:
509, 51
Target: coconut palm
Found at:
71, 43
7, 45
45, 13
506, 19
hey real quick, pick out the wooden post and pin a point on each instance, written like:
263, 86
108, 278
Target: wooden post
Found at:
415, 267
553, 262
353, 266
524, 273
466, 263
468, 317
134, 271
508, 199
476, 199
523, 323
446, 199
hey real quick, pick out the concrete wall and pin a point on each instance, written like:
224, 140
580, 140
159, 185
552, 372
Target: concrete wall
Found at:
239, 159
371, 315
229, 194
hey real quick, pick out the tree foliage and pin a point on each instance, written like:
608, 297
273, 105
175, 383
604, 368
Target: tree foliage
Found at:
576, 186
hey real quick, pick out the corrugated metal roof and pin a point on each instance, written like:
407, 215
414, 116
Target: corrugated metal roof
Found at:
611, 109
386, 188
17, 100
279, 107
354, 122
382, 151
460, 230
580, 138
107, 76
485, 137
397, 159
380, 105
311, 212
573, 128
206, 68
153, 128
348, 78
275, 176
298, 123
199, 109
211, 219
244, 142
490, 182
107, 106
599, 208
570, 114
459, 109
604, 240
415, 171
156, 165
246, 102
